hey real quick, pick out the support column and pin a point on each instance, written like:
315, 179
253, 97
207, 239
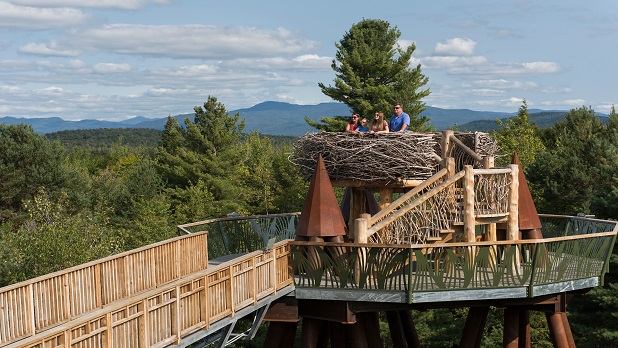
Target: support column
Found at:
394, 324
371, 324
474, 327
310, 333
409, 329
510, 338
567, 330
524, 329
556, 330
280, 334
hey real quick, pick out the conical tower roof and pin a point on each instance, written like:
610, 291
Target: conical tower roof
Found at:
528, 216
321, 216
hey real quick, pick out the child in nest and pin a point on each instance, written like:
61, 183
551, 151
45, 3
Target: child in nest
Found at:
364, 127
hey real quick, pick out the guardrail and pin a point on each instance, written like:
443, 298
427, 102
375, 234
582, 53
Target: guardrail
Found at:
243, 234
36, 305
164, 315
29, 307
581, 253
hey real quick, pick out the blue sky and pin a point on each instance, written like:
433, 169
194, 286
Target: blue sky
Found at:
114, 59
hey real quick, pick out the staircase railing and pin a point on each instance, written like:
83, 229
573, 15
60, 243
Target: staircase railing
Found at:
466, 198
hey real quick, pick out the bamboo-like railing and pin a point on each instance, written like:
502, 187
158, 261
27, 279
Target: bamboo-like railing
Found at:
164, 315
36, 305
441, 201
580, 253
29, 307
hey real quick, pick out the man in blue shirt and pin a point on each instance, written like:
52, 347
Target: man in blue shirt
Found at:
400, 120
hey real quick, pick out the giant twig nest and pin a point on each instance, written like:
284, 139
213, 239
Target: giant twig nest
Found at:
384, 157
387, 156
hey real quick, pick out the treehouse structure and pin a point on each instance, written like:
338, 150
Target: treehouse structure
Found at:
426, 222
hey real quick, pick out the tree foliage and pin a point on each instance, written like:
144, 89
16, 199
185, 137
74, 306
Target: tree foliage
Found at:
518, 135
373, 73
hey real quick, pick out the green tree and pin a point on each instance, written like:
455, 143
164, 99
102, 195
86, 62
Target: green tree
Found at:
29, 161
52, 238
204, 155
577, 166
517, 134
373, 72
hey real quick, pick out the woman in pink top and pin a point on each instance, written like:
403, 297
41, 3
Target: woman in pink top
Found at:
378, 125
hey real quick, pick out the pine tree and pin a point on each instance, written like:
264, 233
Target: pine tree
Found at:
373, 73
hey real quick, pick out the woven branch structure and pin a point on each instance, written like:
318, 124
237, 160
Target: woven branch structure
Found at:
383, 157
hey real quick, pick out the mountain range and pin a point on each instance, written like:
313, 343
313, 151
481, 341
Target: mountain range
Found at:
278, 118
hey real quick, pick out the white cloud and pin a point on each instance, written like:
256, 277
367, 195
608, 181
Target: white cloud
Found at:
185, 41
111, 68
49, 49
34, 18
574, 102
120, 4
456, 47
505, 84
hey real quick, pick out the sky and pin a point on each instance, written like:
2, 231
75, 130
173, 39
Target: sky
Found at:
116, 59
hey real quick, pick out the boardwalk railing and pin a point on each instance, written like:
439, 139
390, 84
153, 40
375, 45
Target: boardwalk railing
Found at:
521, 268
164, 315
438, 203
29, 307
36, 305
243, 234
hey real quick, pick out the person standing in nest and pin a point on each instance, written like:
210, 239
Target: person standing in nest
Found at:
400, 121
379, 124
353, 124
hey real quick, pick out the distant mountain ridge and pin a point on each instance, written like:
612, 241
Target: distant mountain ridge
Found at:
279, 118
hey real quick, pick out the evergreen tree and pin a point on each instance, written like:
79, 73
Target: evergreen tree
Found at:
204, 155
517, 134
373, 73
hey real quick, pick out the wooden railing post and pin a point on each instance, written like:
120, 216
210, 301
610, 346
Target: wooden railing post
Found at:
361, 225
512, 227
469, 219
446, 143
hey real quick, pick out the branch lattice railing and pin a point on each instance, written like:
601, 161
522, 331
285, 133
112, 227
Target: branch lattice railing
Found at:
439, 203
458, 266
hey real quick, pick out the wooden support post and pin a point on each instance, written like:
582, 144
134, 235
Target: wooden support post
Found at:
447, 145
510, 338
473, 329
556, 330
386, 197
512, 227
360, 226
469, 219
357, 207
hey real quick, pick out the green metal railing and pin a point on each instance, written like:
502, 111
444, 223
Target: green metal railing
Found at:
243, 234
580, 250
